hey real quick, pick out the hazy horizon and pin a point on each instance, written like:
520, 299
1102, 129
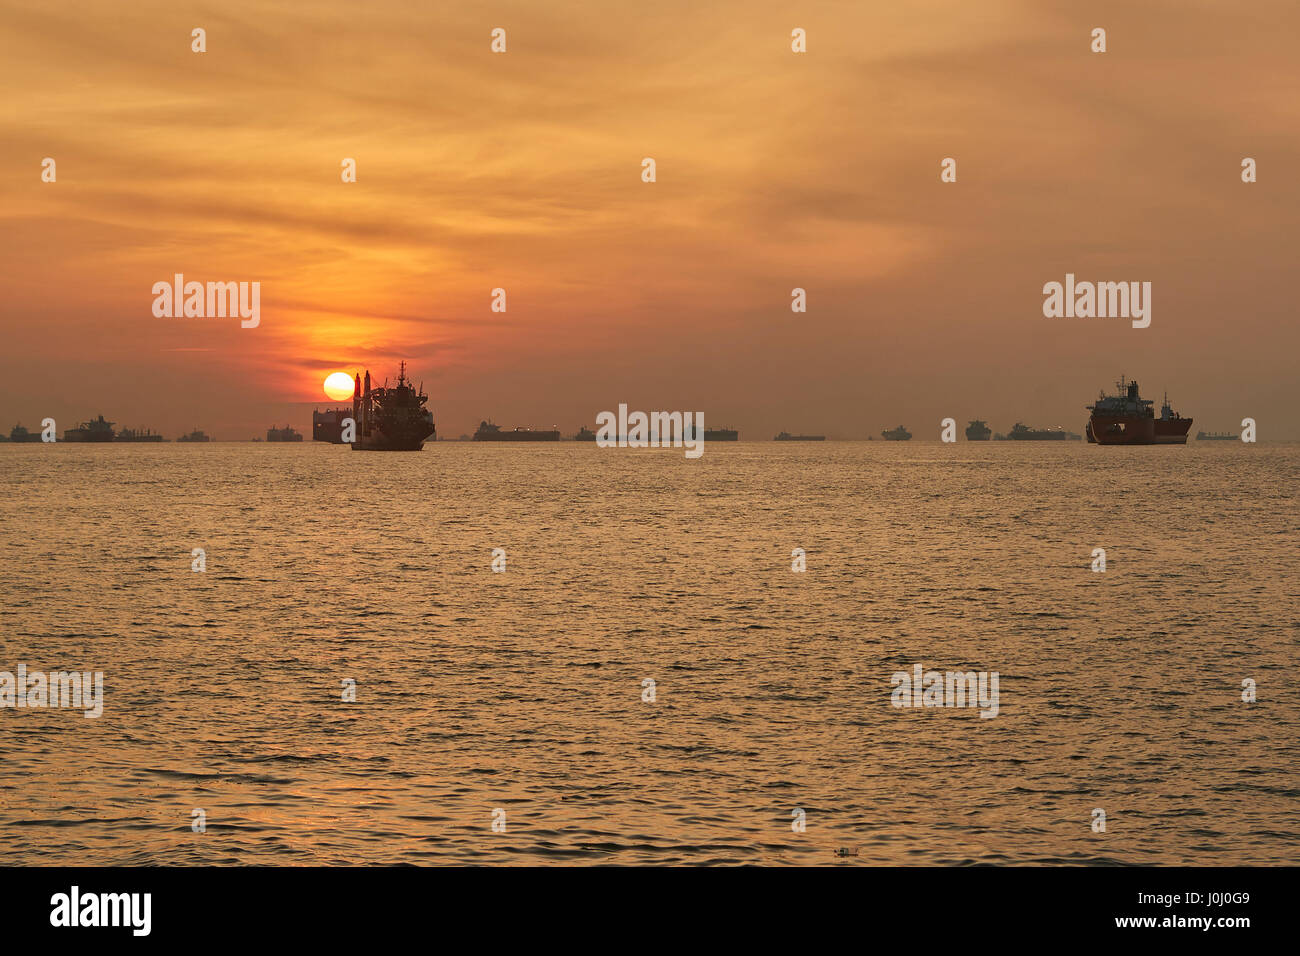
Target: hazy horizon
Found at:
775, 171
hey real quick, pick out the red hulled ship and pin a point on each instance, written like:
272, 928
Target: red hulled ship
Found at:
1129, 419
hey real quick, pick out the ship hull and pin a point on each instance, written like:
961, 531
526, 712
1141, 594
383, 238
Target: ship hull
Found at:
712, 434
384, 443
523, 436
1172, 431
397, 438
1122, 430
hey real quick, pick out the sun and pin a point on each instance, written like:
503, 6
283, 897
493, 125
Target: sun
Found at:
338, 385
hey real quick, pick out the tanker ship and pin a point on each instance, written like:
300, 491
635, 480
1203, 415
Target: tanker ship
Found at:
1129, 419
22, 434
287, 433
490, 432
1021, 432
391, 419
94, 430
138, 435
711, 434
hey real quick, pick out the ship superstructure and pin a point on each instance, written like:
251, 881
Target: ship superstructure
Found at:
1171, 428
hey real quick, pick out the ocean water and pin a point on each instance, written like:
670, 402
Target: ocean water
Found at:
522, 691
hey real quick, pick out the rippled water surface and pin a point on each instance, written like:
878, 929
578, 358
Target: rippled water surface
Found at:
522, 690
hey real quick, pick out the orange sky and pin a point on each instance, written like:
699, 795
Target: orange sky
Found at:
775, 170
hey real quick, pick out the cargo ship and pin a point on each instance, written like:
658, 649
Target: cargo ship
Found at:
18, 433
391, 418
97, 430
896, 434
978, 431
327, 426
786, 436
138, 434
585, 434
1127, 418
1021, 432
1217, 436
712, 434
195, 435
287, 433
490, 432
721, 434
